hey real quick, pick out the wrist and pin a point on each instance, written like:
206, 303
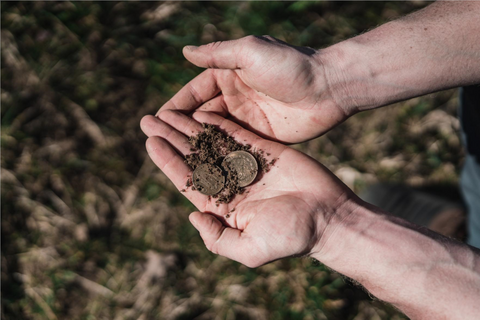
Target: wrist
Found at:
332, 227
403, 59
346, 77
398, 262
360, 77
358, 243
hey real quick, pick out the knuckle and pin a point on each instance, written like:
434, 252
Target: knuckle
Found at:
165, 114
214, 45
250, 39
212, 61
212, 225
194, 93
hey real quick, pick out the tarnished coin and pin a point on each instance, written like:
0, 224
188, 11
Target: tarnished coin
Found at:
244, 164
208, 179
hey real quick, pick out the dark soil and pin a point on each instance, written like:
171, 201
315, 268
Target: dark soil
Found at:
211, 146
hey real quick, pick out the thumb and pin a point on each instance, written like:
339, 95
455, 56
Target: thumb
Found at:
221, 54
225, 241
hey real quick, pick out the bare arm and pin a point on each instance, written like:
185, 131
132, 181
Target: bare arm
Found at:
305, 210
285, 94
430, 50
293, 94
422, 273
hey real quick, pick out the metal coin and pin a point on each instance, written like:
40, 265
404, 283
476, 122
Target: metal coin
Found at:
244, 164
208, 179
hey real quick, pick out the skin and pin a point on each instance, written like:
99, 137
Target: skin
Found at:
293, 94
287, 212
267, 86
260, 227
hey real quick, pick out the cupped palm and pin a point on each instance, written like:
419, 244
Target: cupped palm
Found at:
283, 213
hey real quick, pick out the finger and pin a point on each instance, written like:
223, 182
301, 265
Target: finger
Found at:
154, 127
228, 242
216, 105
172, 164
181, 122
201, 89
231, 54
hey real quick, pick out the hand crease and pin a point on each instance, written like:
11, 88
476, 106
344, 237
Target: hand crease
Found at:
172, 158
216, 243
196, 96
269, 125
329, 91
174, 105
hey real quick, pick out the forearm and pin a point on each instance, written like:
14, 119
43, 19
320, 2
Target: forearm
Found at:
424, 274
430, 50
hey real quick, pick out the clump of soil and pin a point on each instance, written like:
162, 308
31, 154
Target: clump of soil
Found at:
211, 146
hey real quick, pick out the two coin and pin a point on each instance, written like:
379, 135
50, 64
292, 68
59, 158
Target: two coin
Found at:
210, 180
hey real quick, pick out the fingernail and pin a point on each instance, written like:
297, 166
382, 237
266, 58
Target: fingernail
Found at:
191, 48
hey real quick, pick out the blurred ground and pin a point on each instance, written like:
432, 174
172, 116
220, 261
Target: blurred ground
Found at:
92, 230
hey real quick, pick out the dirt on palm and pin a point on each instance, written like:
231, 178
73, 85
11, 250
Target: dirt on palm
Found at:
212, 146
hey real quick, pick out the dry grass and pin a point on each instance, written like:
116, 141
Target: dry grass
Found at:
92, 230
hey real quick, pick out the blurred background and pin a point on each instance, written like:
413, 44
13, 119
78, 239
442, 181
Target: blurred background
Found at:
91, 229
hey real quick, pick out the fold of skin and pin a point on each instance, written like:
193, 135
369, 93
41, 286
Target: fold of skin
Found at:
424, 274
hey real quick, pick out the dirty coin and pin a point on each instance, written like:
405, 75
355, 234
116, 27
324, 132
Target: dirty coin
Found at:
244, 163
208, 179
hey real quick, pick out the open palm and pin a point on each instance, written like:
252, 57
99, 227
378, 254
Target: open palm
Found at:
269, 87
283, 213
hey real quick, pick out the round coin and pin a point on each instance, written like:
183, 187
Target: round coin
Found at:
208, 179
244, 164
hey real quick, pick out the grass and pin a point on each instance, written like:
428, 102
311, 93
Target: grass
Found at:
91, 229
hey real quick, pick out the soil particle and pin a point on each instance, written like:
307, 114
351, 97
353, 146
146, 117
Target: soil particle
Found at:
211, 146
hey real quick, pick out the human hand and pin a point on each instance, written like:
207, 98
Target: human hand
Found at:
269, 87
284, 213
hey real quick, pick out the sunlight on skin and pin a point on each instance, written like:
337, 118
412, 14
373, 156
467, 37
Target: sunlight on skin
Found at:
291, 94
280, 95
260, 229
